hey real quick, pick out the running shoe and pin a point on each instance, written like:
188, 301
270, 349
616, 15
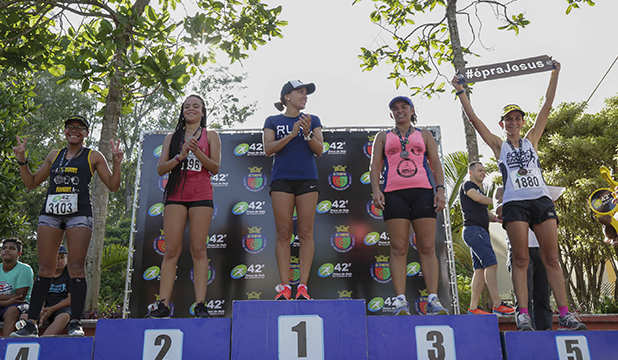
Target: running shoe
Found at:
523, 322
402, 307
301, 293
201, 311
75, 328
283, 292
435, 308
25, 329
571, 322
504, 310
158, 310
477, 311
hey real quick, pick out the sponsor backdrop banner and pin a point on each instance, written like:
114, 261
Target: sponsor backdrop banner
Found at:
351, 242
505, 69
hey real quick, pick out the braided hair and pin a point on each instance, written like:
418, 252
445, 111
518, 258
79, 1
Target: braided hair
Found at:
177, 176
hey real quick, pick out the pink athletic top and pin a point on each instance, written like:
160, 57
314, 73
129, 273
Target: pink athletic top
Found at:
196, 185
410, 172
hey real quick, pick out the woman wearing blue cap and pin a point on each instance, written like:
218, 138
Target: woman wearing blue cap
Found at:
527, 202
294, 139
67, 212
412, 192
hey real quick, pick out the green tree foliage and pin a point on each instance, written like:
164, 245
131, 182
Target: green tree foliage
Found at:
571, 151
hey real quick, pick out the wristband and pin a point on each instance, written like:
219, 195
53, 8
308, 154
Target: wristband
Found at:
439, 186
177, 158
460, 92
22, 163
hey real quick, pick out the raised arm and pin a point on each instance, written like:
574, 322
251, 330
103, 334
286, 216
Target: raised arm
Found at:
494, 142
32, 180
535, 132
99, 164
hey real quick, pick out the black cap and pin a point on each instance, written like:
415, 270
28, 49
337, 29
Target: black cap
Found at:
295, 84
78, 118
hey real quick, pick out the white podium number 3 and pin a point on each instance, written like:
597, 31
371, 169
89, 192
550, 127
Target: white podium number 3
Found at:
435, 342
301, 337
572, 347
162, 344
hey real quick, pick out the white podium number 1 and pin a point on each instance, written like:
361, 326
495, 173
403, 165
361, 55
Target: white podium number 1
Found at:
162, 344
435, 342
572, 347
301, 337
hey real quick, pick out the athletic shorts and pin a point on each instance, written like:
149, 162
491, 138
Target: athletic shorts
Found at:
409, 204
64, 310
22, 307
190, 204
66, 222
479, 242
531, 211
295, 187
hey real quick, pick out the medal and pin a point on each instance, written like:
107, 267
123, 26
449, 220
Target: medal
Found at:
522, 171
520, 158
404, 154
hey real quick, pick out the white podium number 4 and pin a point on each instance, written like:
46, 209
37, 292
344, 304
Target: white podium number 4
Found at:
435, 342
572, 347
162, 344
301, 337
22, 351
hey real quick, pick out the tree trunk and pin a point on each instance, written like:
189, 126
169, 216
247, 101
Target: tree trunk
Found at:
460, 63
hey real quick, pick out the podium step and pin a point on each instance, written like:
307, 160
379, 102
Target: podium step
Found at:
307, 330
560, 345
48, 348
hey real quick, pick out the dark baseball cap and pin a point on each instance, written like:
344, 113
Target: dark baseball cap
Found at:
512, 107
400, 98
78, 118
62, 250
296, 84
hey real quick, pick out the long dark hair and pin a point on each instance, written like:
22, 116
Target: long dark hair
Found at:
176, 176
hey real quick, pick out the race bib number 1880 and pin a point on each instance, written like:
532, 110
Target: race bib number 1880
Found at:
532, 179
61, 204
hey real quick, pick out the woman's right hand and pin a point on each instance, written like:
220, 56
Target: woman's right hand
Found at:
378, 199
456, 84
296, 128
20, 149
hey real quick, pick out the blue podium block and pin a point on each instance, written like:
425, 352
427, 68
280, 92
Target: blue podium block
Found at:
560, 345
307, 330
169, 339
47, 348
434, 337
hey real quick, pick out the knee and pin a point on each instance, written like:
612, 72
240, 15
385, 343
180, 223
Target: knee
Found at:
551, 261
399, 248
426, 248
284, 234
305, 235
520, 261
199, 252
76, 269
172, 252
11, 314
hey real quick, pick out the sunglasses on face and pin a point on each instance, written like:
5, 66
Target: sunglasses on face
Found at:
75, 127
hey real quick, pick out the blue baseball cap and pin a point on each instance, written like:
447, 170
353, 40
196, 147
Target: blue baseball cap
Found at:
62, 250
400, 98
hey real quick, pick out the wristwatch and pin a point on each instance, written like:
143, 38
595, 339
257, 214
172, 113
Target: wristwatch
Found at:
309, 137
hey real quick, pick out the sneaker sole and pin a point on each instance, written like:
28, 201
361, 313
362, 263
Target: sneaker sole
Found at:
441, 312
281, 298
157, 317
573, 329
24, 336
503, 314
302, 297
401, 313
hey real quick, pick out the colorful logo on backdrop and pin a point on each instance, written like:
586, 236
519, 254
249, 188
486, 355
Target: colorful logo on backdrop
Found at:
342, 241
220, 180
338, 270
373, 210
413, 240
334, 148
157, 151
159, 244
372, 238
339, 179
294, 270
380, 270
413, 268
254, 242
251, 272
345, 294
251, 208
420, 304
375, 304
241, 149
151, 273
253, 149
217, 241
325, 147
366, 178
368, 146
156, 209
163, 182
326, 270
334, 207
211, 273
255, 181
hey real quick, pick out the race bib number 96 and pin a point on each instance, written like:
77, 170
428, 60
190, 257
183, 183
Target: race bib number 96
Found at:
532, 179
193, 163
61, 204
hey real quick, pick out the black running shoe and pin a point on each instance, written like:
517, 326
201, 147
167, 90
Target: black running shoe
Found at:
201, 311
25, 329
158, 310
75, 328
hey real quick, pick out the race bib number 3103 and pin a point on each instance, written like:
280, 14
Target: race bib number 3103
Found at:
61, 204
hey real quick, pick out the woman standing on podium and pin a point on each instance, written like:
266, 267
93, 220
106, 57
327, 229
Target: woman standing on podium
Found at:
526, 200
294, 139
413, 193
190, 155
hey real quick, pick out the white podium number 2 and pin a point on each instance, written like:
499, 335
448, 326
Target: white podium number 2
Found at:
162, 344
22, 351
435, 342
572, 347
301, 337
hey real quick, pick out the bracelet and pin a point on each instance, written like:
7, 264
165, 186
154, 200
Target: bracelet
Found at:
177, 158
439, 186
22, 163
460, 92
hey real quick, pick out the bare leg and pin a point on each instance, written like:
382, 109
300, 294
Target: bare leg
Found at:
199, 223
58, 325
283, 211
426, 245
305, 208
518, 236
11, 315
547, 234
399, 235
491, 278
476, 288
174, 223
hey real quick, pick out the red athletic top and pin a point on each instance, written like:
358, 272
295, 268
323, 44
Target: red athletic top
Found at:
196, 185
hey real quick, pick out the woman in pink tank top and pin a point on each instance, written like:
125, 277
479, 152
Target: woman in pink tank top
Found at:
413, 193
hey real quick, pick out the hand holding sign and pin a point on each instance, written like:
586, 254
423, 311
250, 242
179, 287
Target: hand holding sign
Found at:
505, 69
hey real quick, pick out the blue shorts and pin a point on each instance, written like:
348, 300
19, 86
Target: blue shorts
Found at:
66, 222
479, 242
22, 307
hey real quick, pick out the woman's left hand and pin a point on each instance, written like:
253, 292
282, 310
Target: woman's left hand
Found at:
117, 154
439, 201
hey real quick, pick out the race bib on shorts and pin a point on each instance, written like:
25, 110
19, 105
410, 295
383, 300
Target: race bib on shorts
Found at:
61, 204
193, 163
532, 179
